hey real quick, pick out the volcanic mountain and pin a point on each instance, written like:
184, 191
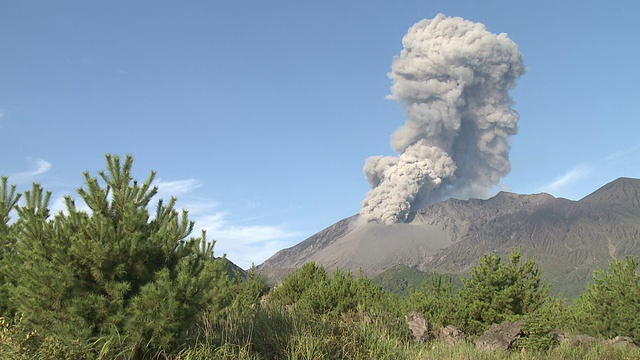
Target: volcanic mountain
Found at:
569, 239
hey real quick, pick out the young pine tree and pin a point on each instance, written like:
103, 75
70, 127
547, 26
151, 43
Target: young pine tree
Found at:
298, 283
438, 300
610, 306
497, 291
115, 271
8, 200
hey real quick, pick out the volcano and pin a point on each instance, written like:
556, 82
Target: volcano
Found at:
568, 239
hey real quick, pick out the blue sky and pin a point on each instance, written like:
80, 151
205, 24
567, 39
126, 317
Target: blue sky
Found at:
259, 115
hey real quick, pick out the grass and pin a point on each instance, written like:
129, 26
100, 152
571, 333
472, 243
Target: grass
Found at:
277, 333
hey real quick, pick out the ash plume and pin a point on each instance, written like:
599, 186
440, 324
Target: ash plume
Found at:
452, 79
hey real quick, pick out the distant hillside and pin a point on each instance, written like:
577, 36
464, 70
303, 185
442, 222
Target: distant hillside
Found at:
569, 239
400, 279
233, 269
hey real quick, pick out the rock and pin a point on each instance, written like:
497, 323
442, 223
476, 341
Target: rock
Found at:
621, 341
500, 336
419, 326
558, 336
264, 300
450, 335
580, 340
587, 341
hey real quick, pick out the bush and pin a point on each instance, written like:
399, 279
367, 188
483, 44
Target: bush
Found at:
610, 306
496, 292
298, 283
438, 300
311, 290
539, 325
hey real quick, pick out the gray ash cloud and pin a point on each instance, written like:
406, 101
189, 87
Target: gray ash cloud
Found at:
452, 79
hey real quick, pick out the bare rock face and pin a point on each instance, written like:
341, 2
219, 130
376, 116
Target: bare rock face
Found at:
450, 334
500, 336
419, 326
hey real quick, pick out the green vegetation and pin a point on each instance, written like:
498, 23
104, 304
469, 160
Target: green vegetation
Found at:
611, 304
400, 279
121, 282
496, 291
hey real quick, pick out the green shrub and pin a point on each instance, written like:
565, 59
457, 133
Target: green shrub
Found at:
298, 283
438, 300
540, 324
610, 306
311, 290
496, 291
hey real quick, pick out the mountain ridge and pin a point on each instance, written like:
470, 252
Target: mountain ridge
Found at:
569, 239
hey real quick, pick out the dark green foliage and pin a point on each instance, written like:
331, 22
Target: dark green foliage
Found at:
438, 300
311, 289
245, 294
343, 293
114, 272
610, 306
8, 200
540, 325
497, 291
296, 284
402, 279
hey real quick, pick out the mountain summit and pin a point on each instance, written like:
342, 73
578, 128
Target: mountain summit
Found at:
569, 239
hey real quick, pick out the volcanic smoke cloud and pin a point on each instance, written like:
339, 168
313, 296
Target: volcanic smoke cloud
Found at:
452, 79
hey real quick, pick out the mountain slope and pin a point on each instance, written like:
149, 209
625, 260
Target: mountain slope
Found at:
569, 239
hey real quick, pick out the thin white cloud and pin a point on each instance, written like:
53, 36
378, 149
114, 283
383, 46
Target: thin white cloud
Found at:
176, 187
622, 153
251, 204
253, 234
572, 183
244, 244
39, 167
59, 205
561, 184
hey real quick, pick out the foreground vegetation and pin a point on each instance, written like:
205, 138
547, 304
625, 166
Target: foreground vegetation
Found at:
120, 282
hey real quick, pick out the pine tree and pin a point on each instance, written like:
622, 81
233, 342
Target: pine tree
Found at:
115, 271
8, 200
610, 306
438, 300
496, 291
299, 282
311, 290
344, 293
539, 325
